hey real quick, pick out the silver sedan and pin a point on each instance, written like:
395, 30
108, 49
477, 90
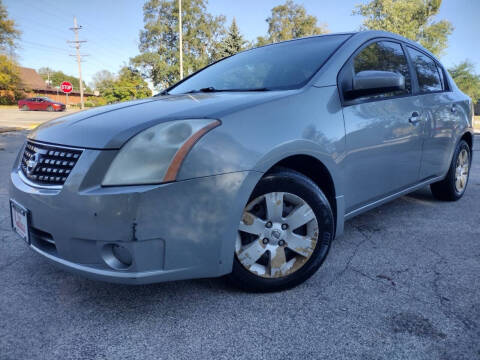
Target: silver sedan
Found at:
249, 167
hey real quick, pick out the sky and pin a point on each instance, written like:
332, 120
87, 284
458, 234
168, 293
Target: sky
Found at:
111, 28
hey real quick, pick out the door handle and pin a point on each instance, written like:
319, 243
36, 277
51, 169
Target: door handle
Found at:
454, 108
414, 118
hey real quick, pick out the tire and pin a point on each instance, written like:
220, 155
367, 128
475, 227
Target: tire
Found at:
261, 231
50, 108
448, 189
25, 108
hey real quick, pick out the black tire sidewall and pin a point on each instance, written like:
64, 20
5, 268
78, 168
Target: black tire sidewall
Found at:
297, 184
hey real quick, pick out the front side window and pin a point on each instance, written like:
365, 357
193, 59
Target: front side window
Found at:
384, 56
281, 66
427, 72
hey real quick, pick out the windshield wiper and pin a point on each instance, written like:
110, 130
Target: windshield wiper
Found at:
202, 90
212, 89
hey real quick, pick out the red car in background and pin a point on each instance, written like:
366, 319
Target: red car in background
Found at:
40, 103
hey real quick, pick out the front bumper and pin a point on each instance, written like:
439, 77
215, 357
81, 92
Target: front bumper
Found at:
172, 231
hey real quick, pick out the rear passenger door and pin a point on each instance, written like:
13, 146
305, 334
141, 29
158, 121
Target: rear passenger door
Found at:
383, 132
441, 114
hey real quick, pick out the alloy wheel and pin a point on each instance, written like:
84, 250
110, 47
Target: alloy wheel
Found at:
462, 170
277, 235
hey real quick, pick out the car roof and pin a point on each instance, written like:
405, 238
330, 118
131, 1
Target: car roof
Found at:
366, 35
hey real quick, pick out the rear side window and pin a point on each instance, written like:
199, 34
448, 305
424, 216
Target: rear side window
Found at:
384, 56
428, 74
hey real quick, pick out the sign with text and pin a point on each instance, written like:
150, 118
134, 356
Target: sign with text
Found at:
66, 87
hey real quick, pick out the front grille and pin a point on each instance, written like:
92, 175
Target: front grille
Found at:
48, 164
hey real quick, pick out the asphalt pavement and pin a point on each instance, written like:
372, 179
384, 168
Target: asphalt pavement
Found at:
403, 282
12, 118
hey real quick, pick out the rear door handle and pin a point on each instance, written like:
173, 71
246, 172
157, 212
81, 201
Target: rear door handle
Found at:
414, 118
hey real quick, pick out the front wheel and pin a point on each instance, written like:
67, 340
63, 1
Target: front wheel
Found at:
284, 234
455, 183
50, 108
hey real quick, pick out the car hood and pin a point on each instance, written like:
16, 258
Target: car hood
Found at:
109, 127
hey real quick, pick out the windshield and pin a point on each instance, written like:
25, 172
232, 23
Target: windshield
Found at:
287, 65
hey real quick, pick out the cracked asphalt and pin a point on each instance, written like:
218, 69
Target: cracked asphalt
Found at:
403, 282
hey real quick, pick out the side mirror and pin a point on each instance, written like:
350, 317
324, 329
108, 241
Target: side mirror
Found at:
375, 82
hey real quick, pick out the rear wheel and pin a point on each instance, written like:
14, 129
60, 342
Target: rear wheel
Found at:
284, 234
25, 108
455, 183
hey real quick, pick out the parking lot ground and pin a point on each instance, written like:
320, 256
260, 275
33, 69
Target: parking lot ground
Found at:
403, 282
14, 119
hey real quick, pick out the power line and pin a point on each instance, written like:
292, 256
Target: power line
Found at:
44, 46
100, 31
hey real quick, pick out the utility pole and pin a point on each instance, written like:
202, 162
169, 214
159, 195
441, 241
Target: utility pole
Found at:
180, 36
78, 55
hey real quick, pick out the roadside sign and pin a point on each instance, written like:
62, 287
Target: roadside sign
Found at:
66, 87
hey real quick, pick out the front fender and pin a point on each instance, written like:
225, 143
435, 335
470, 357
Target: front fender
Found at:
308, 122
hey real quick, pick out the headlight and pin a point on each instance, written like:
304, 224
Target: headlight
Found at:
156, 154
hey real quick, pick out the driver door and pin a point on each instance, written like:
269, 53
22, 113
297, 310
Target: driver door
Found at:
33, 104
384, 132
42, 104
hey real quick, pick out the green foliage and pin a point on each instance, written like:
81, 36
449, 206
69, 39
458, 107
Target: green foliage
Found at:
57, 77
466, 79
412, 19
9, 74
128, 85
290, 21
94, 101
232, 43
98, 101
8, 31
159, 40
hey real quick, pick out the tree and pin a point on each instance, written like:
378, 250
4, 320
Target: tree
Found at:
102, 77
8, 30
9, 74
466, 79
9, 81
290, 21
128, 85
232, 43
412, 19
159, 58
57, 77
